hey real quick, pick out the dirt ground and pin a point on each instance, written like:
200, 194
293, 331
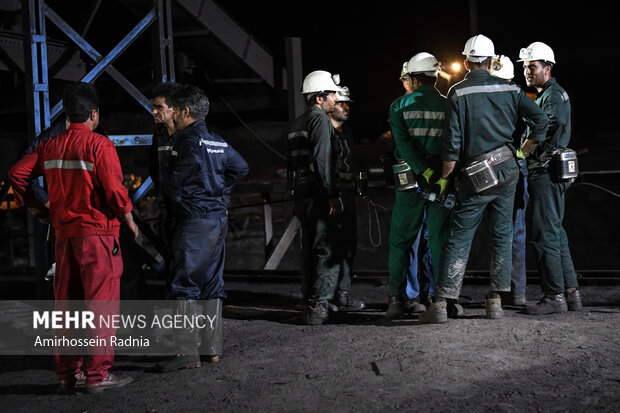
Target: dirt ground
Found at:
358, 362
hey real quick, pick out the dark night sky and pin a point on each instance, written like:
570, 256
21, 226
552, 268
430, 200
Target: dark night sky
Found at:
367, 45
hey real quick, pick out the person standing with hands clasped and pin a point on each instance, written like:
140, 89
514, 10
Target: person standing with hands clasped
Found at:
416, 121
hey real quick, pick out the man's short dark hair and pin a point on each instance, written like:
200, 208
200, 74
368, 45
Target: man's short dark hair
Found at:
311, 97
79, 100
167, 90
545, 63
193, 98
424, 79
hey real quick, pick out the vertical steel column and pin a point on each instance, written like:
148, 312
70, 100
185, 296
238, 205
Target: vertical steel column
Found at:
35, 67
294, 77
37, 88
164, 71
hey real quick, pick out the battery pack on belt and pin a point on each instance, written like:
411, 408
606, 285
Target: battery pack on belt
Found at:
564, 164
479, 170
404, 178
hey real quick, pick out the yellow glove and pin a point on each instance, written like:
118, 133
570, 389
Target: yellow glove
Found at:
520, 154
428, 172
443, 183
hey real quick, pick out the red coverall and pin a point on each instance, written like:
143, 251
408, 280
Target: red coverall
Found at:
86, 194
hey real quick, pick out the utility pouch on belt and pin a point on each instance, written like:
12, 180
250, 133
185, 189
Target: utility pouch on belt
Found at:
479, 171
563, 164
404, 178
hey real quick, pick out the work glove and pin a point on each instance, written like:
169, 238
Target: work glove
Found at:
443, 183
427, 174
521, 154
439, 186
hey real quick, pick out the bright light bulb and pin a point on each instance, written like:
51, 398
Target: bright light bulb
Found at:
456, 67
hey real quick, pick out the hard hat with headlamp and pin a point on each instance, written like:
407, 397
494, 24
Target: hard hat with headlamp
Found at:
320, 81
424, 63
403, 72
344, 95
537, 51
478, 48
502, 67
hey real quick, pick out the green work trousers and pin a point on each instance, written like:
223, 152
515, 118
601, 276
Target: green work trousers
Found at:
406, 222
464, 221
548, 238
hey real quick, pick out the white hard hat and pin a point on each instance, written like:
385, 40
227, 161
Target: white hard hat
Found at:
478, 48
320, 81
537, 51
344, 95
502, 67
423, 63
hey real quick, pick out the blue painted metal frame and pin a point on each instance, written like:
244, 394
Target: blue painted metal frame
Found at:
38, 53
96, 56
105, 62
37, 12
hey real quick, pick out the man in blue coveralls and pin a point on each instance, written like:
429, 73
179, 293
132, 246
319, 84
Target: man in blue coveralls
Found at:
204, 169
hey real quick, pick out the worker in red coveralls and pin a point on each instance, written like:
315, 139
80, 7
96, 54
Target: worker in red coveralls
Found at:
86, 200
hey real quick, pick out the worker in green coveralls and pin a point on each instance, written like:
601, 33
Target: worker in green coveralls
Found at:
416, 121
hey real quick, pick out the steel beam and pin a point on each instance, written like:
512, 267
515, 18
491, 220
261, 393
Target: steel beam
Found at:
280, 249
242, 44
36, 65
104, 62
96, 56
165, 52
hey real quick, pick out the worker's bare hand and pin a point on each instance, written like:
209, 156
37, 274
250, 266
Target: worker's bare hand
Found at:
131, 224
335, 207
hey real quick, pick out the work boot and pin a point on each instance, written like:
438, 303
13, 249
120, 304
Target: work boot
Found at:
395, 309
519, 299
69, 386
315, 313
186, 339
437, 313
454, 309
110, 382
493, 306
413, 305
212, 333
573, 299
343, 302
550, 304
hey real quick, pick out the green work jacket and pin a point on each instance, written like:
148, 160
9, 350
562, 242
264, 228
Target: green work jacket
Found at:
482, 113
554, 101
416, 121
